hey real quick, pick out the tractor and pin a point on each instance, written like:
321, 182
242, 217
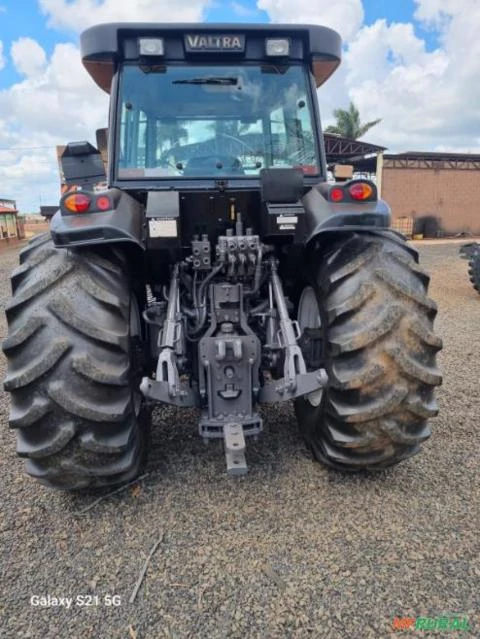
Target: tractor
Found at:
214, 265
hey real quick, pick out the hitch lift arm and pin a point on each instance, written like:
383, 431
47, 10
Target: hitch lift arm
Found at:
296, 380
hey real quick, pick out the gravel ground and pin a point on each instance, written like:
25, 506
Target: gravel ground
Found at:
290, 550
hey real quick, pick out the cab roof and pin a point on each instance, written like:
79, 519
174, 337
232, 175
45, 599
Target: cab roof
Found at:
105, 45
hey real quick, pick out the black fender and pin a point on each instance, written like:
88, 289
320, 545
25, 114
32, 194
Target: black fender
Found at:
326, 221
325, 218
125, 222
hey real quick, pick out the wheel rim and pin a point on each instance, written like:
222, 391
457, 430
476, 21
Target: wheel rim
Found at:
308, 316
308, 311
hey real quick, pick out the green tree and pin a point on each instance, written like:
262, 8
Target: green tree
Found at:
348, 123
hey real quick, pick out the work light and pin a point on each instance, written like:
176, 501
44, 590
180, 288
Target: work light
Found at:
277, 46
151, 46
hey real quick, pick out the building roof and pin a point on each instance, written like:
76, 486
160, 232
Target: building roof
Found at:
338, 148
7, 206
431, 160
362, 155
428, 155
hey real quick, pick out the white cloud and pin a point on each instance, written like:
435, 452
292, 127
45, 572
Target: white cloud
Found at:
56, 104
345, 16
2, 57
379, 48
61, 101
241, 10
77, 15
428, 100
28, 56
437, 13
57, 101
33, 164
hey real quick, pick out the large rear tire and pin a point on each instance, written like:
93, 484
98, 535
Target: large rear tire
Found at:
71, 367
379, 350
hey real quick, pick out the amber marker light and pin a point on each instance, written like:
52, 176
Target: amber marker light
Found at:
360, 191
77, 203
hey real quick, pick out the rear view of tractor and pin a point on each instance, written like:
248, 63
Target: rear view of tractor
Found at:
219, 269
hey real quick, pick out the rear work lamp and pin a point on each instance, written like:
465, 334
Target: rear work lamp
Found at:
151, 46
277, 47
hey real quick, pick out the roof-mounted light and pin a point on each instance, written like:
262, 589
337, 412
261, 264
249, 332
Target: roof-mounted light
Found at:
151, 46
277, 47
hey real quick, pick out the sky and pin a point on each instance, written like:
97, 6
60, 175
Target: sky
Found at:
413, 63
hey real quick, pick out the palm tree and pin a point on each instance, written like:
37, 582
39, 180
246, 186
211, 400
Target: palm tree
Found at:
170, 133
348, 123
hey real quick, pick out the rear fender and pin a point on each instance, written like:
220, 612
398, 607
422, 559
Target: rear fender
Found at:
123, 223
324, 217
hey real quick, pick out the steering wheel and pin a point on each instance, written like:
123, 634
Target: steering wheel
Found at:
239, 141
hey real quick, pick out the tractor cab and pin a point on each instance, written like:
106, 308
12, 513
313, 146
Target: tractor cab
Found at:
193, 104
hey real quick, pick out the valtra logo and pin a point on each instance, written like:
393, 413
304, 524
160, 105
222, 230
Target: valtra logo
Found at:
207, 43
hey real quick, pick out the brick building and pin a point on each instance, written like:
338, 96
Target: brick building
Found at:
445, 186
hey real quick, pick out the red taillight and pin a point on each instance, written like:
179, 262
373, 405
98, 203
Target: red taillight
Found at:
77, 203
360, 191
337, 194
103, 203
